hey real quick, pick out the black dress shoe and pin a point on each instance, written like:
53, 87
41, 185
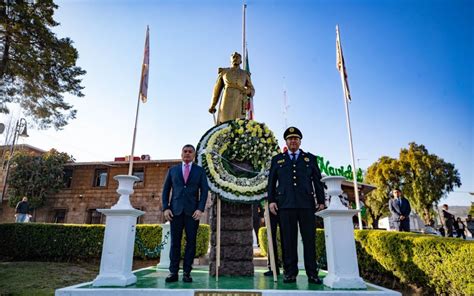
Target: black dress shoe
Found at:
289, 279
172, 277
187, 278
270, 273
314, 280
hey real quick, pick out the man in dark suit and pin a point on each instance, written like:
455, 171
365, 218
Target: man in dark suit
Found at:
188, 183
400, 209
293, 184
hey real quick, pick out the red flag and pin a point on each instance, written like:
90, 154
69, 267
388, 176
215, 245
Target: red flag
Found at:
341, 66
145, 68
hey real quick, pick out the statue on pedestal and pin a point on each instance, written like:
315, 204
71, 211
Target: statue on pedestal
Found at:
234, 87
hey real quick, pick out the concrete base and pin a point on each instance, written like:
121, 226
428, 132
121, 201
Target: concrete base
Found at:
194, 292
151, 281
336, 282
114, 280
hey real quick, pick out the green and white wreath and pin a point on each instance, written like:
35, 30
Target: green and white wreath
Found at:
237, 156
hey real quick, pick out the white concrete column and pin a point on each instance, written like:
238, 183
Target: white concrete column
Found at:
165, 252
343, 269
119, 238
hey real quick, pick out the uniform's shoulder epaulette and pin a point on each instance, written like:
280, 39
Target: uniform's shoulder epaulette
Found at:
279, 157
308, 157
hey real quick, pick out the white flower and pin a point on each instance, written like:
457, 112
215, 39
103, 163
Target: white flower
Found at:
247, 147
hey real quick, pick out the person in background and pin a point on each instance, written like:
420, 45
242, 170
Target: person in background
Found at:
448, 221
470, 224
22, 210
461, 228
400, 209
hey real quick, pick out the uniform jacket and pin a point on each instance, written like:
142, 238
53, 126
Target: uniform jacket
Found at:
295, 185
185, 197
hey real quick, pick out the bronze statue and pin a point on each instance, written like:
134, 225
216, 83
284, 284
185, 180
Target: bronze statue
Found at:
235, 86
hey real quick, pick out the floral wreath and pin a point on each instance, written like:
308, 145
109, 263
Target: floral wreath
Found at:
236, 156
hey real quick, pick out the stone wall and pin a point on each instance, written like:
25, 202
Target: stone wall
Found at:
236, 239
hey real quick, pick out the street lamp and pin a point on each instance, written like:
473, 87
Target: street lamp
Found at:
20, 131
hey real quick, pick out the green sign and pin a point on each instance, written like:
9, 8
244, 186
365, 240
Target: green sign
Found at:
345, 172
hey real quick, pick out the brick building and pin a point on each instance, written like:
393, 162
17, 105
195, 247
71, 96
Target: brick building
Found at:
90, 186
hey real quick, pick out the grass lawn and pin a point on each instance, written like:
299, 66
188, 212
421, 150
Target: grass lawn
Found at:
43, 278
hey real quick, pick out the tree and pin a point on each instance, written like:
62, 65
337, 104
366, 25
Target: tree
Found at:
427, 178
36, 67
385, 175
36, 177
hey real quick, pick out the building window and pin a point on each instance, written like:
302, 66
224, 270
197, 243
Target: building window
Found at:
67, 178
100, 178
59, 216
140, 173
94, 217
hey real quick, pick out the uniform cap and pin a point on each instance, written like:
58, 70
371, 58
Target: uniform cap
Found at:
292, 132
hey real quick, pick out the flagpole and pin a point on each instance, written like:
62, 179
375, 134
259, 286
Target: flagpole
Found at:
354, 176
130, 166
244, 54
349, 132
142, 94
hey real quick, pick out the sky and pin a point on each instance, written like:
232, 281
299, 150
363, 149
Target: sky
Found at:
409, 64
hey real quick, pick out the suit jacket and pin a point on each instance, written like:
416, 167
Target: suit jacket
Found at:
185, 197
295, 185
399, 210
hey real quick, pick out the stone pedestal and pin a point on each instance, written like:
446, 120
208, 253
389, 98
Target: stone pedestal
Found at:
343, 269
236, 239
119, 238
165, 252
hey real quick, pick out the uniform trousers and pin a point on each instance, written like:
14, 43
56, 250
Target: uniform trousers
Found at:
289, 219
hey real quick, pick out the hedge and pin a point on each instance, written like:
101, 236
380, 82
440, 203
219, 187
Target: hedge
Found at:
434, 265
66, 242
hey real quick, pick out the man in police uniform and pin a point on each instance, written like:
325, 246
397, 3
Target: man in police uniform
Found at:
293, 185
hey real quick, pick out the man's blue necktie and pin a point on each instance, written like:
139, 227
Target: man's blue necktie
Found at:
293, 157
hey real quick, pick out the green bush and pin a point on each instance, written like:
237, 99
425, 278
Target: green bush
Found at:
262, 238
65, 242
202, 240
435, 265
150, 236
57, 242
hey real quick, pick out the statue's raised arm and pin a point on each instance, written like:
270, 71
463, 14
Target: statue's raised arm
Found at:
233, 86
